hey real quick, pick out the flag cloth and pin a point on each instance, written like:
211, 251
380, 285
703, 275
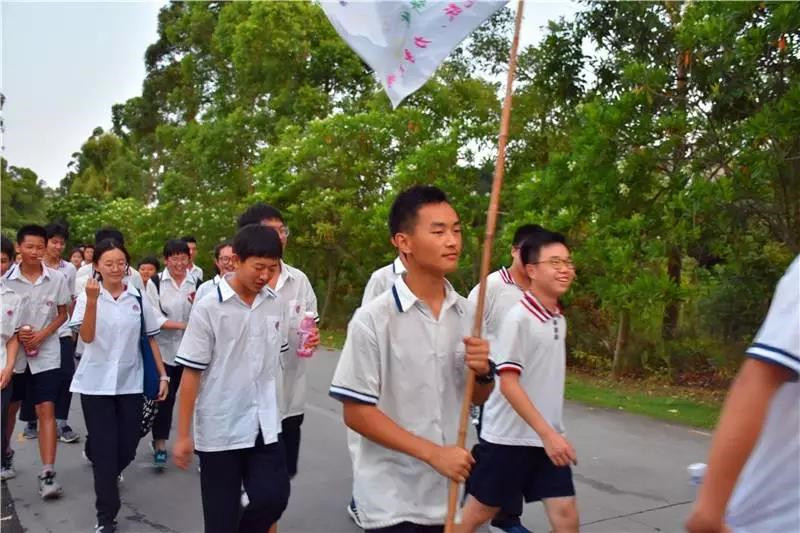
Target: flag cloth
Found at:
405, 41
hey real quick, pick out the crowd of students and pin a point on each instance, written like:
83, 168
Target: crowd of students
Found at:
227, 350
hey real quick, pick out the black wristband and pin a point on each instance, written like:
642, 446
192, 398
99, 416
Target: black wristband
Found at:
487, 378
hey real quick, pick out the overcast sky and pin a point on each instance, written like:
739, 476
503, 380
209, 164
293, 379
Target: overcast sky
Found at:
64, 64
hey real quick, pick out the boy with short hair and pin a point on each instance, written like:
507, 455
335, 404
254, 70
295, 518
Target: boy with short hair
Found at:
401, 374
46, 296
293, 286
148, 267
57, 236
177, 288
523, 450
10, 346
193, 270
752, 483
231, 353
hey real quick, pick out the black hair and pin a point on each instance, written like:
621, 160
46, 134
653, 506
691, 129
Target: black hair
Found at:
149, 260
108, 233
255, 240
258, 212
529, 253
218, 248
76, 251
188, 239
56, 229
175, 247
88, 245
403, 214
106, 245
525, 232
34, 230
7, 247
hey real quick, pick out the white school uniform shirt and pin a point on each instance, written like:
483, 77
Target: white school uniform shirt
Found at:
208, 287
175, 304
68, 270
197, 273
10, 307
398, 357
382, 280
296, 291
531, 343
237, 347
112, 363
40, 301
502, 294
151, 292
767, 494
87, 271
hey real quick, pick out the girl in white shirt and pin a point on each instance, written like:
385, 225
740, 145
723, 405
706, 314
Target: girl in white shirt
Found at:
110, 376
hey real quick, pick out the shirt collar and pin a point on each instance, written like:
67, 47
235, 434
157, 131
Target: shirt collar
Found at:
225, 292
405, 299
217, 279
506, 276
16, 273
285, 275
165, 276
534, 302
397, 266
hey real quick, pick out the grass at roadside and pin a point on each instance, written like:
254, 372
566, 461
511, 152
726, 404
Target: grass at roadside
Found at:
682, 405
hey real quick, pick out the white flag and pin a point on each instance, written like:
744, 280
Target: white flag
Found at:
405, 41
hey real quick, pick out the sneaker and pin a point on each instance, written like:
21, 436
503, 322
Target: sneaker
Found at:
514, 528
107, 528
48, 486
244, 499
66, 434
160, 458
7, 472
353, 512
31, 431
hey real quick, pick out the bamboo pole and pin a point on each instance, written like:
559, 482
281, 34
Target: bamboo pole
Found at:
491, 222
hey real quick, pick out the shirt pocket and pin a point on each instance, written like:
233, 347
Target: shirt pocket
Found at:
272, 336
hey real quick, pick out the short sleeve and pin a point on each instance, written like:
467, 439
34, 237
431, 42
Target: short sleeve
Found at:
197, 344
357, 376
778, 339
79, 311
153, 319
64, 296
508, 350
80, 286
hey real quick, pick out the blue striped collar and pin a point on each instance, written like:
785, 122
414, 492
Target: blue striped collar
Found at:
404, 299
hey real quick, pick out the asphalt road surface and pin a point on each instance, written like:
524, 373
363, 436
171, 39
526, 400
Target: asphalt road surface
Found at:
631, 477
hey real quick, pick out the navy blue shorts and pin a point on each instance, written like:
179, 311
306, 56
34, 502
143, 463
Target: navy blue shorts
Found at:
502, 473
44, 386
20, 384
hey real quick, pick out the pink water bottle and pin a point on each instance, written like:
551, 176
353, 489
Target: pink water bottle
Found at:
31, 353
307, 326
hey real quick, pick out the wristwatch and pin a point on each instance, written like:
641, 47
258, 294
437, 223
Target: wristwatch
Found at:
488, 377
164, 378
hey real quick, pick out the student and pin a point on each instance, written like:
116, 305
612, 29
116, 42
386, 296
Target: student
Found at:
45, 298
752, 483
57, 235
76, 258
294, 288
110, 376
382, 279
10, 303
523, 450
132, 276
148, 268
231, 353
504, 289
401, 374
194, 270
176, 294
88, 253
223, 262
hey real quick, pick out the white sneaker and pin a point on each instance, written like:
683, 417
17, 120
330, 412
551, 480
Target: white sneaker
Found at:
7, 472
245, 499
48, 486
352, 510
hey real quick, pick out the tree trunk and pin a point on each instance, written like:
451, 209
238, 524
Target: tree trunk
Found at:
623, 333
672, 311
333, 273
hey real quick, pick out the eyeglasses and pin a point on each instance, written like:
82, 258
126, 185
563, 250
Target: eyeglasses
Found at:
558, 263
225, 260
115, 266
175, 260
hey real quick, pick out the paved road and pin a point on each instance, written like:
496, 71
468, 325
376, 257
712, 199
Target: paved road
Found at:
631, 476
